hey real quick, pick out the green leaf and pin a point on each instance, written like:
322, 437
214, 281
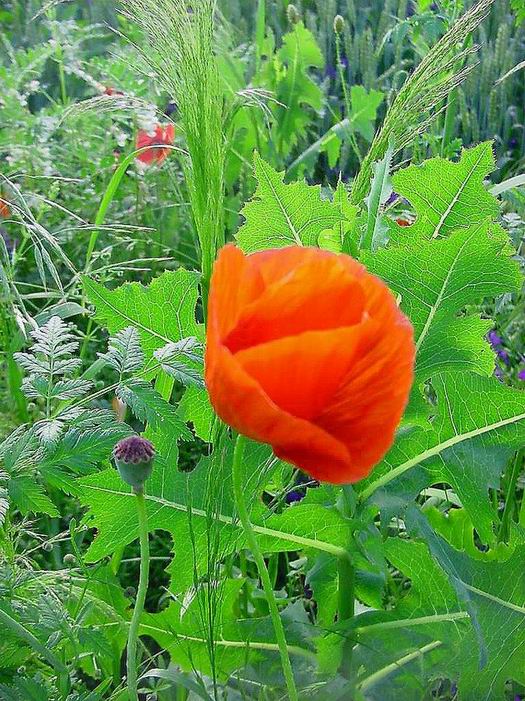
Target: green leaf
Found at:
183, 361
364, 107
478, 425
195, 407
446, 195
337, 239
495, 591
29, 496
436, 280
196, 507
163, 312
284, 215
124, 353
296, 90
401, 651
375, 235
151, 408
88, 441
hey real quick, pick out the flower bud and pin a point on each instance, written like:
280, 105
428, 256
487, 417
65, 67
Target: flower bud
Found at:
339, 24
293, 14
69, 560
134, 460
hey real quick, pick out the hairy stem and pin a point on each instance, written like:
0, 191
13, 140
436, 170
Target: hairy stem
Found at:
131, 660
242, 510
510, 500
346, 606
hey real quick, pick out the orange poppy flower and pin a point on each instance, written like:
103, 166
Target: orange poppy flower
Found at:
308, 352
163, 135
5, 210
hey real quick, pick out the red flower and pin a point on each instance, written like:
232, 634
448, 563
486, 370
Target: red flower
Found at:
403, 222
112, 91
5, 210
308, 352
163, 135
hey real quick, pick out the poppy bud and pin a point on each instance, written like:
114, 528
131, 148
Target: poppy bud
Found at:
310, 353
134, 460
293, 14
69, 560
339, 24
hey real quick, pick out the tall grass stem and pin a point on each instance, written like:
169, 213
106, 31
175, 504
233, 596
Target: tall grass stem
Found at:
242, 510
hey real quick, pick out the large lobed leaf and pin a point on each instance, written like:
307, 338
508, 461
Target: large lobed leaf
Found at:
446, 195
163, 312
478, 425
436, 280
282, 215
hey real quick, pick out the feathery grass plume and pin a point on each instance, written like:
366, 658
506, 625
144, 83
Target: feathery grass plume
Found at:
180, 51
414, 108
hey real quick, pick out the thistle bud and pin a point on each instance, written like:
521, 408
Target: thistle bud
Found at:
69, 560
293, 14
339, 24
134, 460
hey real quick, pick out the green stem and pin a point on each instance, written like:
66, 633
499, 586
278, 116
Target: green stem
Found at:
510, 501
450, 120
346, 606
238, 490
131, 661
348, 107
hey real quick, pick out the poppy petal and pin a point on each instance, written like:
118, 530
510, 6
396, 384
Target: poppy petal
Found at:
300, 374
315, 296
240, 401
234, 284
365, 411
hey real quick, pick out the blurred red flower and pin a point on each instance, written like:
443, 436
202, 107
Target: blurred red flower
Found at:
308, 352
5, 210
164, 135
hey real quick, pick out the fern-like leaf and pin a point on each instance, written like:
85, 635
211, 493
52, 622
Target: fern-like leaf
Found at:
125, 354
183, 361
150, 407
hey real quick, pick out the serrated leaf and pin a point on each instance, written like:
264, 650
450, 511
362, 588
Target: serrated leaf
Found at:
168, 498
183, 361
495, 591
282, 215
446, 195
479, 424
87, 442
296, 91
336, 239
150, 407
124, 354
29, 497
49, 432
436, 280
401, 650
364, 106
70, 389
163, 312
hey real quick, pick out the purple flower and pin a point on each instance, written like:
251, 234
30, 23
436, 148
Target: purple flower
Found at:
521, 375
330, 71
393, 198
498, 373
294, 496
9, 243
494, 339
503, 355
